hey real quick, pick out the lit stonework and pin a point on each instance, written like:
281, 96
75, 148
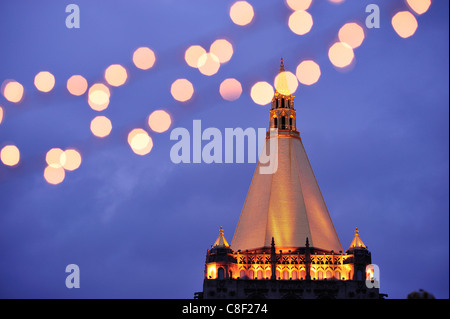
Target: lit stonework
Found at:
285, 244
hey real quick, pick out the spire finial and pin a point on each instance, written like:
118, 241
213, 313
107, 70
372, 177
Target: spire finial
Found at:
281, 65
356, 231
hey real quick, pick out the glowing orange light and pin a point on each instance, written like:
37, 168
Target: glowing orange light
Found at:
182, 90
208, 64
10, 155
336, 1
286, 83
77, 85
44, 81
99, 97
54, 157
241, 13
222, 49
419, 6
159, 121
193, 54
262, 93
300, 22
404, 23
71, 159
144, 58
352, 34
1, 115
140, 142
230, 89
54, 175
299, 4
12, 91
308, 72
101, 126
341, 54
116, 75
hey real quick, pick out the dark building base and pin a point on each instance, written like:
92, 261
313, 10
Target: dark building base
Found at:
287, 289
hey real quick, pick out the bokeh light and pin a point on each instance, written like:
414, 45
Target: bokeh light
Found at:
208, 64
98, 98
308, 72
404, 23
286, 83
299, 4
44, 81
341, 54
71, 159
77, 85
300, 22
10, 155
230, 89
140, 142
12, 91
54, 175
1, 115
419, 6
336, 1
262, 93
193, 54
116, 75
144, 58
54, 158
101, 126
159, 121
352, 34
241, 13
222, 49
182, 90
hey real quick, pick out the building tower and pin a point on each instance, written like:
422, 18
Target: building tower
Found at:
285, 244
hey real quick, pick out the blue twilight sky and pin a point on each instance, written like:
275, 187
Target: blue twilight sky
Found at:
139, 226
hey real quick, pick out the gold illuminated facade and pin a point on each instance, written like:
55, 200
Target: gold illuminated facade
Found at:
285, 244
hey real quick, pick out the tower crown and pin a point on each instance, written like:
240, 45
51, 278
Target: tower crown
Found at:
282, 114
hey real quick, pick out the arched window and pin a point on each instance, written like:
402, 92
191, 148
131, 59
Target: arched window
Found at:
268, 273
337, 275
329, 275
302, 274
221, 273
294, 274
242, 274
277, 274
285, 275
275, 122
259, 274
251, 274
320, 274
212, 273
290, 122
283, 122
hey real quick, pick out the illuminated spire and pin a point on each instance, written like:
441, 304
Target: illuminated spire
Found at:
357, 242
281, 66
281, 83
221, 242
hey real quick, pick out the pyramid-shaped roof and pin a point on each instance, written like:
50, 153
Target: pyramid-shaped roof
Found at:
357, 242
221, 242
